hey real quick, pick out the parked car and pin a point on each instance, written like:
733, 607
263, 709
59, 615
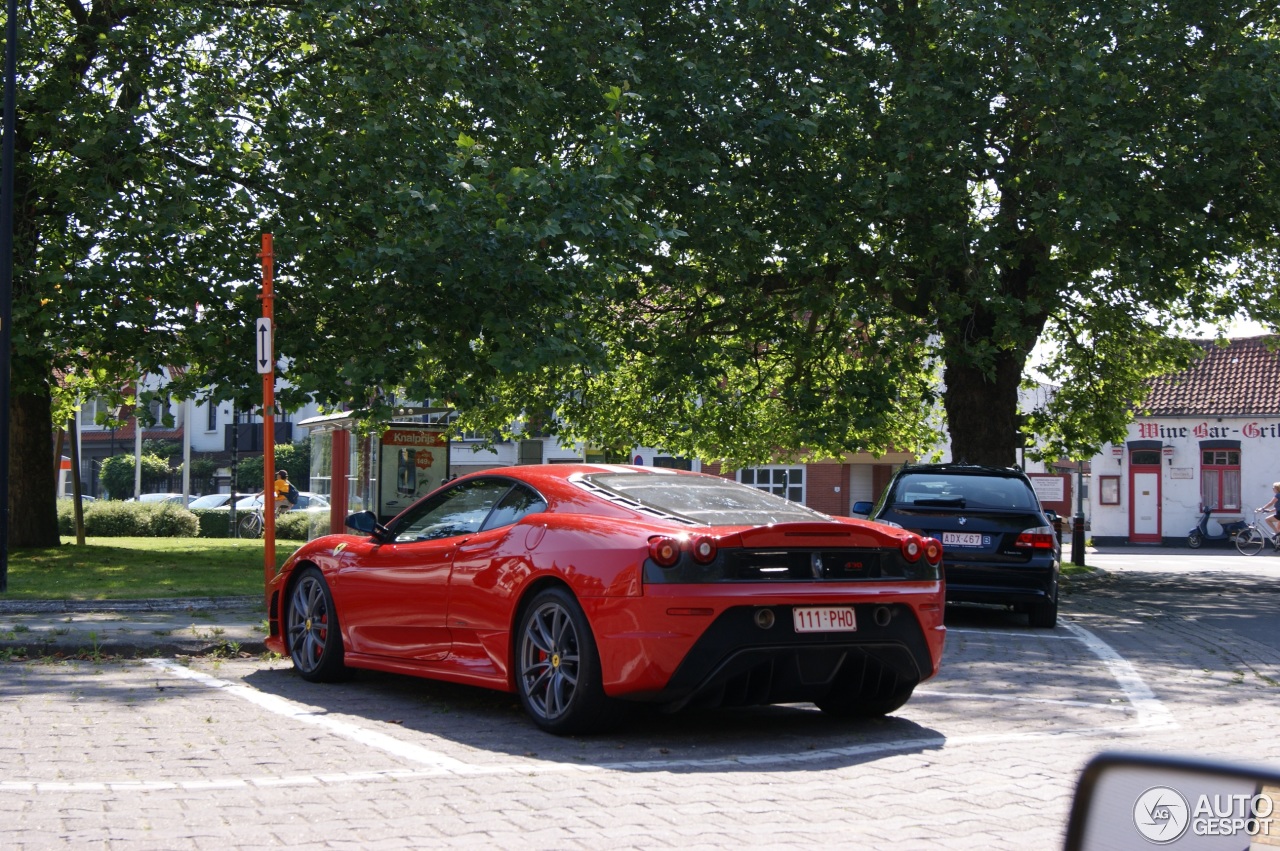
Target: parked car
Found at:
173, 498
306, 500
577, 586
211, 500
999, 544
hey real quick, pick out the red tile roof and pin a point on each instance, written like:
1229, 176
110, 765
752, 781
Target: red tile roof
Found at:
1241, 379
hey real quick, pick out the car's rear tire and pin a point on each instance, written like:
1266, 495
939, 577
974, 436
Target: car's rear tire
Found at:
865, 688
558, 677
1044, 615
312, 633
1250, 540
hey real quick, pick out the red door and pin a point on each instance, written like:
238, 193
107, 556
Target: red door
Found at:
1144, 501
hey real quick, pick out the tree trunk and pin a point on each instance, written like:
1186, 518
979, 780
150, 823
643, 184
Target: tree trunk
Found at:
982, 411
33, 512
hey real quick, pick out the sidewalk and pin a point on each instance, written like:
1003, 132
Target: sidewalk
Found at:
158, 627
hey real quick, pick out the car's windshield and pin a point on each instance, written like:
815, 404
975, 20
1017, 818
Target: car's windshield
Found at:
952, 490
704, 499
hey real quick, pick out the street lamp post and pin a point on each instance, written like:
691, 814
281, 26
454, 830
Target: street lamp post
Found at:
1077, 523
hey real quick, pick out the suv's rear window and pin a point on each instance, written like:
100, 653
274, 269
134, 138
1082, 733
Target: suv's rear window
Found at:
710, 500
949, 490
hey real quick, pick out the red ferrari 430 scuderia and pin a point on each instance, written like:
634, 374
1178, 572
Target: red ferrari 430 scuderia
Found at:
575, 586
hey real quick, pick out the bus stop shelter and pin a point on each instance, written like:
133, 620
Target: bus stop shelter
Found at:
383, 472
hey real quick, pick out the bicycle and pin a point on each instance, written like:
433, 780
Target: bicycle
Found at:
1252, 538
252, 524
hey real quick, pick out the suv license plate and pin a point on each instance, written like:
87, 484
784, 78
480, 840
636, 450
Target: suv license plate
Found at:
825, 619
961, 539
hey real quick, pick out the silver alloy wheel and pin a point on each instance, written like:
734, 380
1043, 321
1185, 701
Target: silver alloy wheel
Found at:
309, 623
549, 660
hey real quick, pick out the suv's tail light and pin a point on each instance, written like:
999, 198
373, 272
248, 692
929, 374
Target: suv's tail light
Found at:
1039, 538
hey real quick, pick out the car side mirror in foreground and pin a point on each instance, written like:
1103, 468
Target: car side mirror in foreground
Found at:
366, 523
1126, 801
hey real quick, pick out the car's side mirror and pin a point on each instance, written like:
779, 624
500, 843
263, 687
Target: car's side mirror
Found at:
863, 507
1134, 801
366, 523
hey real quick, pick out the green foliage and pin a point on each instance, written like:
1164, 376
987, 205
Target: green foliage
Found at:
144, 520
739, 231
117, 474
293, 457
296, 525
214, 522
203, 469
162, 448
110, 519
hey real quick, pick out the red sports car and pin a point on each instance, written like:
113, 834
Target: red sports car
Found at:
576, 586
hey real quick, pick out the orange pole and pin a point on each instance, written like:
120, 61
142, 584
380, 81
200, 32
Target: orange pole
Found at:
268, 421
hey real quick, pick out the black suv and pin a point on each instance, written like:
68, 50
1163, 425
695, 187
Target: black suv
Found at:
998, 544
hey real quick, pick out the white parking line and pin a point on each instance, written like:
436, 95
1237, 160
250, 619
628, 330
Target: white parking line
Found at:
1013, 698
297, 712
1151, 712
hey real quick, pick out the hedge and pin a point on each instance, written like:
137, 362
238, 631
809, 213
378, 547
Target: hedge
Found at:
117, 519
114, 519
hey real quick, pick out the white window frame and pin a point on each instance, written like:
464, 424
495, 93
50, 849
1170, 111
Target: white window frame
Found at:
782, 480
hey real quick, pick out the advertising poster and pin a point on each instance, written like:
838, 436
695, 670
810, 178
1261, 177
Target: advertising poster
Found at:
415, 461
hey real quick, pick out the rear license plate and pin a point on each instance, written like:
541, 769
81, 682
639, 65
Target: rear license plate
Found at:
961, 539
825, 619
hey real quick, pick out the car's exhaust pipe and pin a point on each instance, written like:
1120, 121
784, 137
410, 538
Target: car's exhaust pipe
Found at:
882, 615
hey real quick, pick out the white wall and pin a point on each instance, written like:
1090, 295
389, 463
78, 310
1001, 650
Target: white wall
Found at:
1180, 469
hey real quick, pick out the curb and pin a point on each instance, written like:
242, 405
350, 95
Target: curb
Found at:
159, 604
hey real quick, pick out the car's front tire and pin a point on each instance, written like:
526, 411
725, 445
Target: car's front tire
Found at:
311, 630
558, 675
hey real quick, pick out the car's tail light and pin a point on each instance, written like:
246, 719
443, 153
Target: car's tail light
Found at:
1039, 538
703, 549
912, 548
665, 552
932, 550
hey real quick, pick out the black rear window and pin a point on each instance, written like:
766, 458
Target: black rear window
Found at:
952, 490
703, 499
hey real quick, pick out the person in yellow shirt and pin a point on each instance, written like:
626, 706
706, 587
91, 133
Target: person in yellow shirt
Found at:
281, 489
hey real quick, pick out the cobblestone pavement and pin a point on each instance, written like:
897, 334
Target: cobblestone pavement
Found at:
223, 751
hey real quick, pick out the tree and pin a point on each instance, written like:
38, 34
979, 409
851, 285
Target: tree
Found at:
844, 206
942, 182
117, 474
132, 153
294, 458
414, 163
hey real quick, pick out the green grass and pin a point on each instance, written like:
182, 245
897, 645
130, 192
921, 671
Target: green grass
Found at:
132, 568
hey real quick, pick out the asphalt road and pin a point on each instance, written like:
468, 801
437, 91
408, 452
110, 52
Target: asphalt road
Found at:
1164, 652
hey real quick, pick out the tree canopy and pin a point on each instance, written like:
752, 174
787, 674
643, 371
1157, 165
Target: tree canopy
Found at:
737, 229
